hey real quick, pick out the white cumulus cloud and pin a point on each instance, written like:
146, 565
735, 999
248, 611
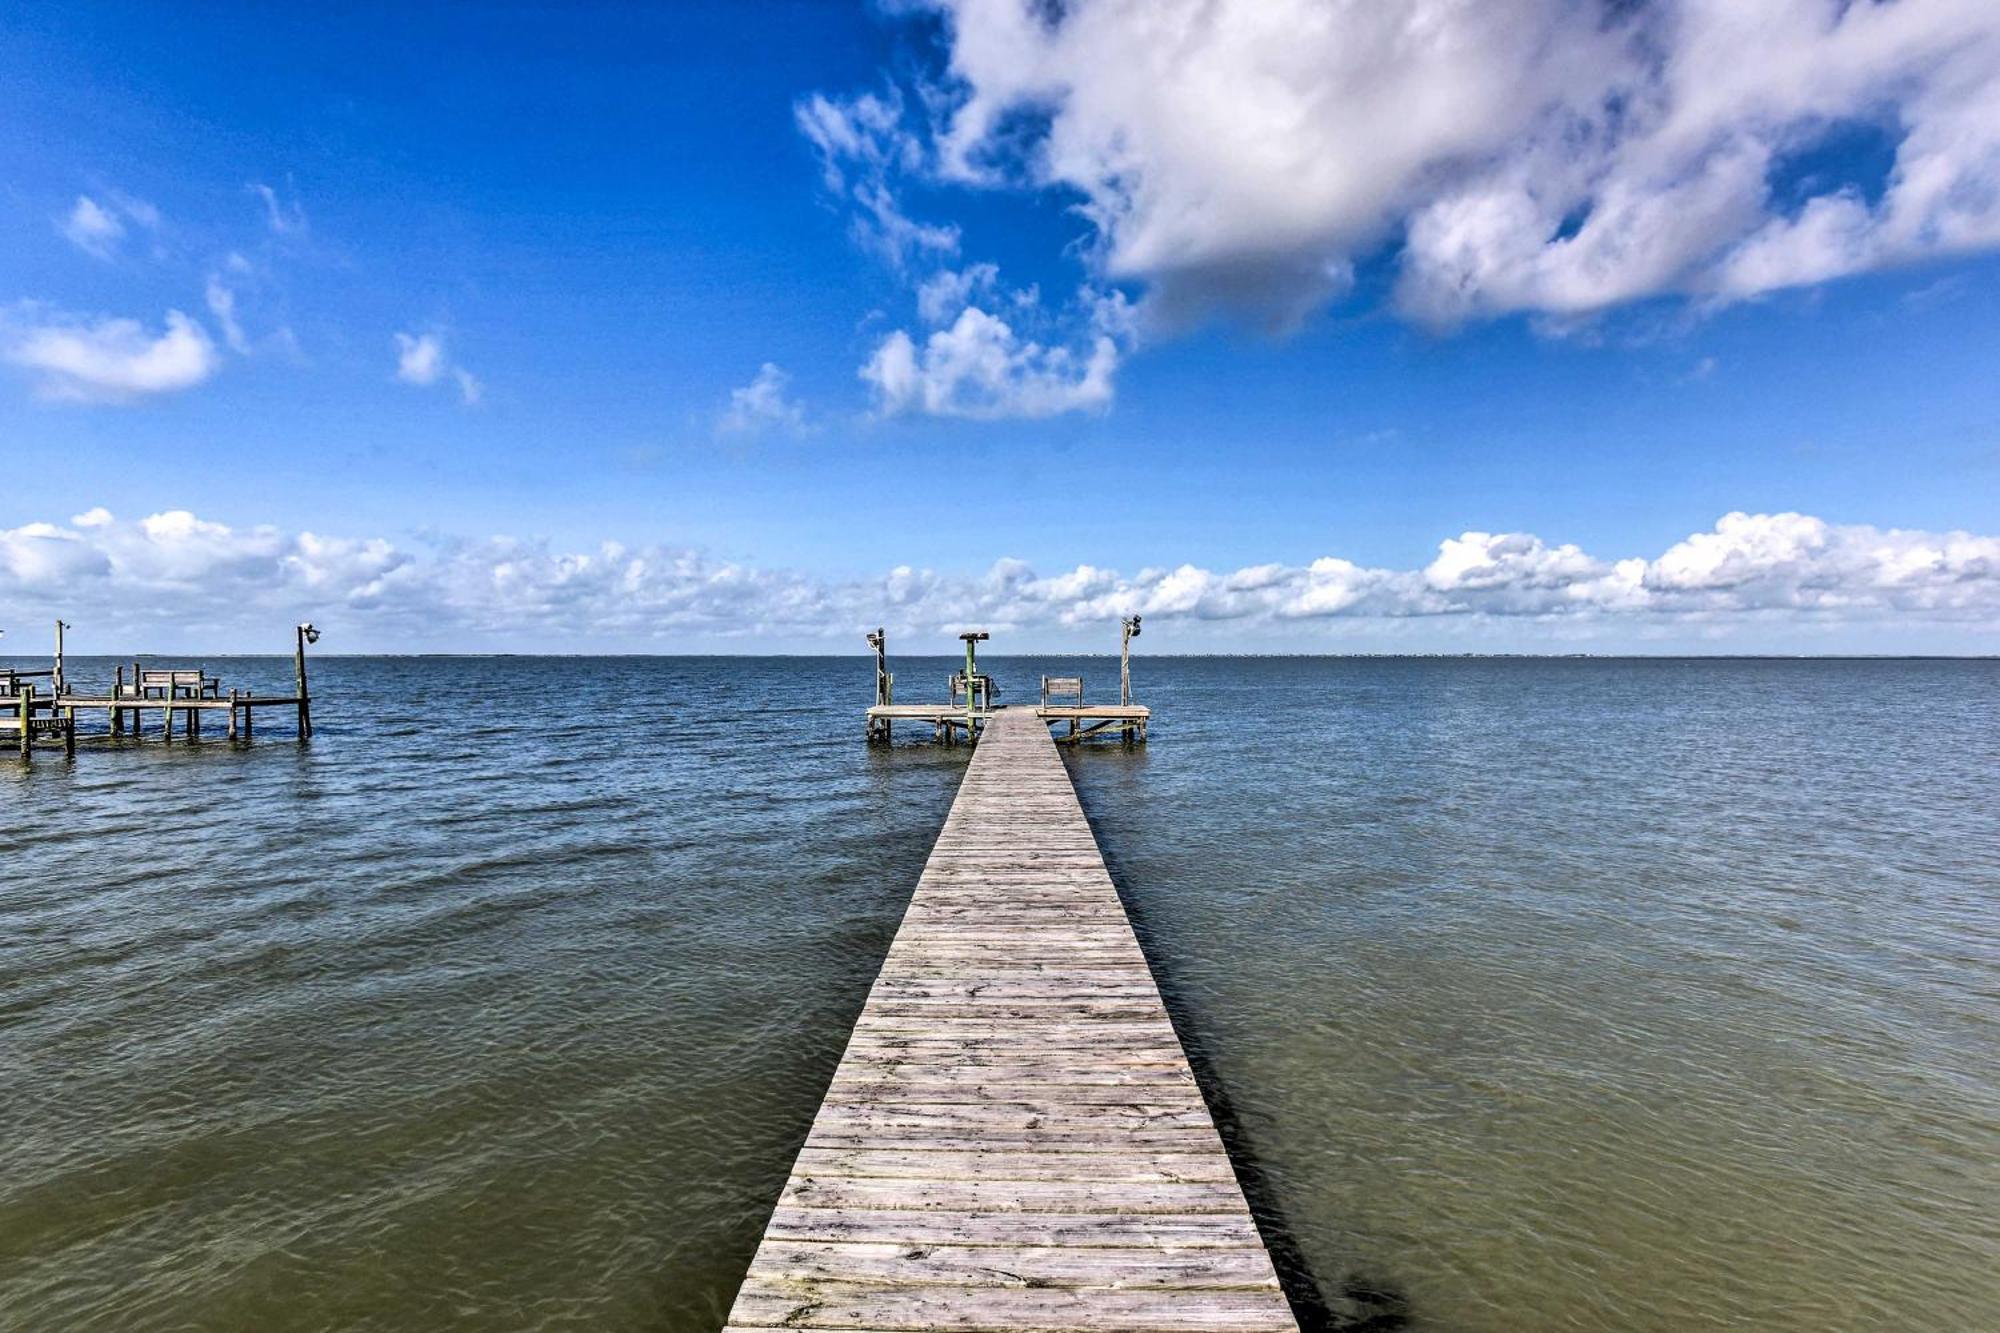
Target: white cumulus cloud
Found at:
107, 360
1750, 581
1558, 157
979, 366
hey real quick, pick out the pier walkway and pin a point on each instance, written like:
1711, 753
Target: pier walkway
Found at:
1013, 1139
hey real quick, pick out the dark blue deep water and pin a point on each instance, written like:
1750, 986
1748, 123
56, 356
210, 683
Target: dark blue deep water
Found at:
1536, 994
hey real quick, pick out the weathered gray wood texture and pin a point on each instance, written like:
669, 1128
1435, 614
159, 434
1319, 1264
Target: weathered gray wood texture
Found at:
1013, 1139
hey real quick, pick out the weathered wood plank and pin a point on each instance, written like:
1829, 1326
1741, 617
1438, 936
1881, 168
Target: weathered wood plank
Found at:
775, 1303
986, 1139
1050, 1266
1135, 1166
1177, 1231
1034, 1113
1014, 1196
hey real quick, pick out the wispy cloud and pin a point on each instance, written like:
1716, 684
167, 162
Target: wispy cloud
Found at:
222, 304
763, 405
864, 150
421, 359
284, 216
107, 360
98, 227
1751, 576
92, 228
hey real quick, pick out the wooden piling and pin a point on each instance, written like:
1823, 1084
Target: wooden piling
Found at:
305, 633
881, 728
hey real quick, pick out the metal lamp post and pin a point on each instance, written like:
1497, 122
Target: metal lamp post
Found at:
1131, 626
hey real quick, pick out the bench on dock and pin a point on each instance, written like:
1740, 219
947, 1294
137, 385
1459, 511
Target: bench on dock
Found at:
176, 685
983, 689
1069, 686
11, 678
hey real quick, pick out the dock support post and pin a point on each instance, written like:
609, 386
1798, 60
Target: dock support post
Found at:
307, 634
972, 639
194, 724
69, 733
25, 700
56, 676
117, 713
248, 714
232, 715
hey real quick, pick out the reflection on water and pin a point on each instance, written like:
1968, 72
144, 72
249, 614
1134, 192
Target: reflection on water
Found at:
1542, 994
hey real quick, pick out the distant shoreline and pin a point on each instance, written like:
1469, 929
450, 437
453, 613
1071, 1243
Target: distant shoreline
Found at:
1019, 656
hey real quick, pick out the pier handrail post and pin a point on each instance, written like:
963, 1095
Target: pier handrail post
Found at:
307, 634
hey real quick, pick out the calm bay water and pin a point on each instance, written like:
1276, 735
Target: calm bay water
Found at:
1535, 994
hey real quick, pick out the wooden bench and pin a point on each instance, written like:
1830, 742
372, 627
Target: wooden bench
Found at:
983, 689
1070, 686
177, 685
11, 678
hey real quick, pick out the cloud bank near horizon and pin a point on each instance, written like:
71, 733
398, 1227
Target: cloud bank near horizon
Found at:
1555, 158
1747, 583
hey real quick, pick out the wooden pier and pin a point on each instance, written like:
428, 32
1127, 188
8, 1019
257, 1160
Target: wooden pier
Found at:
27, 715
1013, 1139
970, 693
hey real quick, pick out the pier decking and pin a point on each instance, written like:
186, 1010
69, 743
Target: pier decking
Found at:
1013, 1139
1085, 720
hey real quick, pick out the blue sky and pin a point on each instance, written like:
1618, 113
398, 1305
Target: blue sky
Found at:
466, 293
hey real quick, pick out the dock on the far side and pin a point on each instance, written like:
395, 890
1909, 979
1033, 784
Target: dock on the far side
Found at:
1013, 1139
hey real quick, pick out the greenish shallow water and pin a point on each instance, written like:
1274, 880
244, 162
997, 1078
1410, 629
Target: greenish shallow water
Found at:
1533, 994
